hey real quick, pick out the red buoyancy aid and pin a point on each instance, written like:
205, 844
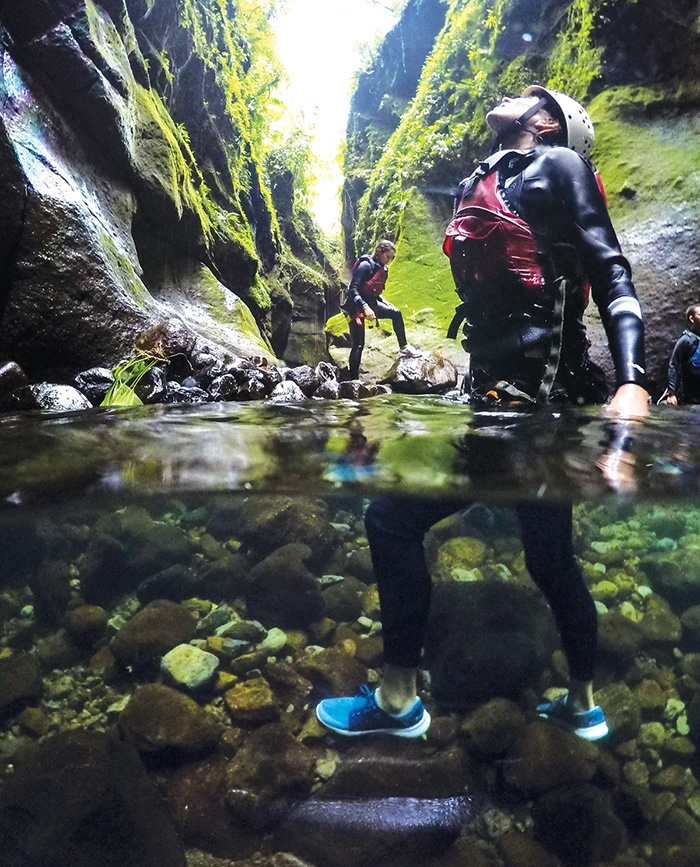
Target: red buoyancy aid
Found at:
373, 287
494, 243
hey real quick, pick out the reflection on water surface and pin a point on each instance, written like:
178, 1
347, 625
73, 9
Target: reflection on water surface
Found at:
181, 585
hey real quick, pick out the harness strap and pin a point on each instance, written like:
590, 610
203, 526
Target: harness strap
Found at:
552, 366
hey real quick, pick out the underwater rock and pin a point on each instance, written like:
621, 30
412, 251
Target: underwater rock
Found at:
94, 383
460, 552
398, 768
151, 633
493, 727
252, 702
177, 582
520, 850
332, 671
196, 798
622, 711
84, 798
659, 624
579, 825
690, 622
20, 682
166, 724
619, 639
86, 624
50, 584
343, 600
359, 564
270, 771
546, 757
281, 591
486, 639
188, 667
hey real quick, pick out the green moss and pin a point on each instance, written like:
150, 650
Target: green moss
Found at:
576, 62
123, 266
646, 150
337, 326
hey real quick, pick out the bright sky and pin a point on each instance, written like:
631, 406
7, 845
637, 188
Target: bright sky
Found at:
319, 44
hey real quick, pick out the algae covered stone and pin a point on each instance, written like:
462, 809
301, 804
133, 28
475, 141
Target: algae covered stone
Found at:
189, 667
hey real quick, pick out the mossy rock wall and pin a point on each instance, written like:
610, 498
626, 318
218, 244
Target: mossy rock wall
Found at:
132, 179
633, 64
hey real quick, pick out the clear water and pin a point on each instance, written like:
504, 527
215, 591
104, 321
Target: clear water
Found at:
120, 508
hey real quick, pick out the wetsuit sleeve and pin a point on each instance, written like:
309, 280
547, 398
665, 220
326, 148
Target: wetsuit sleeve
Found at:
678, 357
593, 235
360, 276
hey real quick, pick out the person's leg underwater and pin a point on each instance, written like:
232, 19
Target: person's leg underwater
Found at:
395, 528
547, 534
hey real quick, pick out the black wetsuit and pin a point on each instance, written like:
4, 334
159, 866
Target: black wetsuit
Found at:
556, 192
367, 268
683, 380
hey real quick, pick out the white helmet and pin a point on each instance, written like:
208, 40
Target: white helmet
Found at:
577, 124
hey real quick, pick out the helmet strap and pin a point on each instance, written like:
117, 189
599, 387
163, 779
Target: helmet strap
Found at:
518, 125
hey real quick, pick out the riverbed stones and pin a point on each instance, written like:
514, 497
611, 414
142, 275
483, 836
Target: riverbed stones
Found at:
165, 723
86, 624
493, 727
251, 702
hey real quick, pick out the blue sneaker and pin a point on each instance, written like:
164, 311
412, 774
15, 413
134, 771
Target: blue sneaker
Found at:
361, 715
588, 724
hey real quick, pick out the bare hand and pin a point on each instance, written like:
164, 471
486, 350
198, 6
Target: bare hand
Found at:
369, 313
672, 400
617, 467
630, 402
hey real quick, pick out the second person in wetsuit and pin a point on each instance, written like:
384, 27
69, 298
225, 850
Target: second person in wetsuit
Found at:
364, 301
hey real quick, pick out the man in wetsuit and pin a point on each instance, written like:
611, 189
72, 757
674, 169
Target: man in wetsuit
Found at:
364, 301
522, 309
683, 368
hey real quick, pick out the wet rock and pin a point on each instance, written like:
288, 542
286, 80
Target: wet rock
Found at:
56, 650
223, 387
266, 775
486, 639
428, 374
257, 385
659, 624
397, 832
151, 633
332, 672
86, 624
354, 389
84, 798
12, 377
188, 667
196, 798
153, 386
266, 523
545, 757
619, 639
224, 578
166, 724
399, 768
328, 390
59, 398
690, 621
519, 850
622, 711
359, 564
252, 702
20, 682
282, 592
176, 393
305, 377
579, 825
493, 727
50, 584
176, 583
167, 338
287, 392
94, 383
343, 599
